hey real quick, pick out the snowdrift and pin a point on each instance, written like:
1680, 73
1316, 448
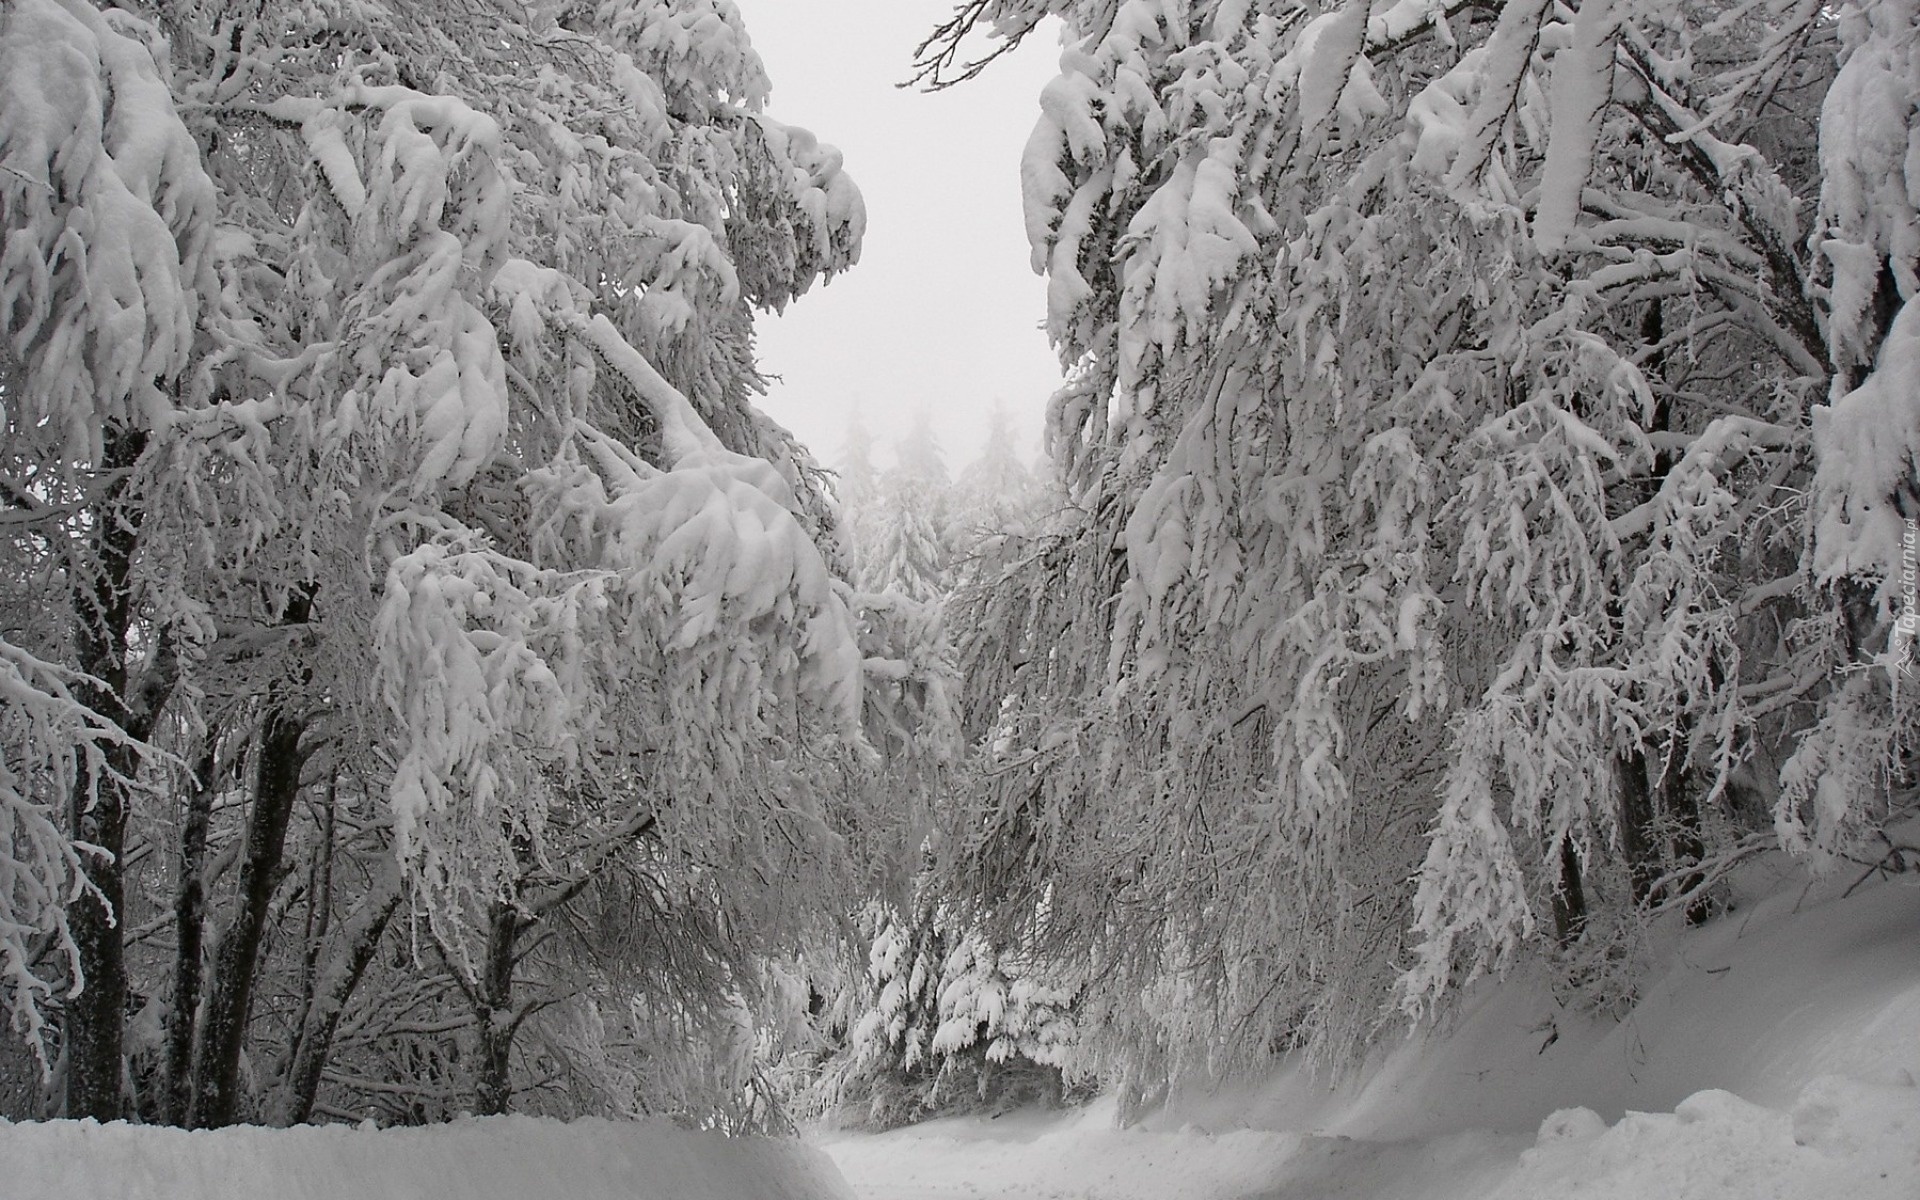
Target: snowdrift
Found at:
1775, 1055
497, 1158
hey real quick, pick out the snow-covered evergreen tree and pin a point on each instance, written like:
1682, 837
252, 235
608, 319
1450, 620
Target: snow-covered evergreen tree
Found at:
857, 487
913, 544
996, 489
939, 1020
935, 1016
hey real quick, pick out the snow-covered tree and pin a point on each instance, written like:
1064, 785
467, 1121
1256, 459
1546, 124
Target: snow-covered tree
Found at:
912, 545
1446, 399
915, 529
857, 488
996, 489
896, 1041
1865, 506
106, 274
378, 391
939, 1020
910, 555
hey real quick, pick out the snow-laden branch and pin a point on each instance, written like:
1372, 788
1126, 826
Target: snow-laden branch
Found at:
48, 739
109, 219
1867, 489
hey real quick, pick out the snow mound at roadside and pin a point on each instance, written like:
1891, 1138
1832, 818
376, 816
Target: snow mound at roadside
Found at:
1773, 1056
497, 1158
1797, 983
1843, 1138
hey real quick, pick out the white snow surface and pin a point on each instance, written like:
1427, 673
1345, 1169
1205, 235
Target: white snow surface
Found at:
1772, 1056
496, 1158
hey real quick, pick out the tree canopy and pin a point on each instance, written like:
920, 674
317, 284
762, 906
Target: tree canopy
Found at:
378, 406
1489, 471
1488, 457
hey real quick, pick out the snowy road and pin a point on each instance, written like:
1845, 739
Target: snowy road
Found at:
1082, 1157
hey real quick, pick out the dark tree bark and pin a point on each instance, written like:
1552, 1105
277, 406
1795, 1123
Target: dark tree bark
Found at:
95, 1018
276, 787
319, 918
1637, 837
508, 920
1678, 801
493, 1006
189, 919
100, 580
1569, 898
1660, 831
359, 939
229, 1001
1688, 849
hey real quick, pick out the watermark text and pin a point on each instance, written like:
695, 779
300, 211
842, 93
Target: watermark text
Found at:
1906, 626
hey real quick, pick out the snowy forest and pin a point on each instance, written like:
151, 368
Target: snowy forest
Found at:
1478, 518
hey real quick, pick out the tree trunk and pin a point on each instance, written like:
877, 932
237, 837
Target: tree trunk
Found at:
493, 1084
189, 919
360, 938
1680, 805
223, 1031
1638, 841
1569, 899
1644, 810
95, 1019
229, 1002
1688, 849
313, 935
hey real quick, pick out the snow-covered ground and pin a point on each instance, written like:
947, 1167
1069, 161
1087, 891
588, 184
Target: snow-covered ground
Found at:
1775, 1056
500, 1158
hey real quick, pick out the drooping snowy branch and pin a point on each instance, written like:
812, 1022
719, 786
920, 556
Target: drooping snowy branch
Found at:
109, 220
424, 207
46, 734
1868, 223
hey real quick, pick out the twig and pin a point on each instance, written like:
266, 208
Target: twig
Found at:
26, 178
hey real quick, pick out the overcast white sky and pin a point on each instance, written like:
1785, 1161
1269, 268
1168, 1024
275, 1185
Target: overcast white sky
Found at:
942, 309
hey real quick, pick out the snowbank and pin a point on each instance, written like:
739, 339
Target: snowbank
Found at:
1773, 1058
498, 1158
1843, 1138
1790, 986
